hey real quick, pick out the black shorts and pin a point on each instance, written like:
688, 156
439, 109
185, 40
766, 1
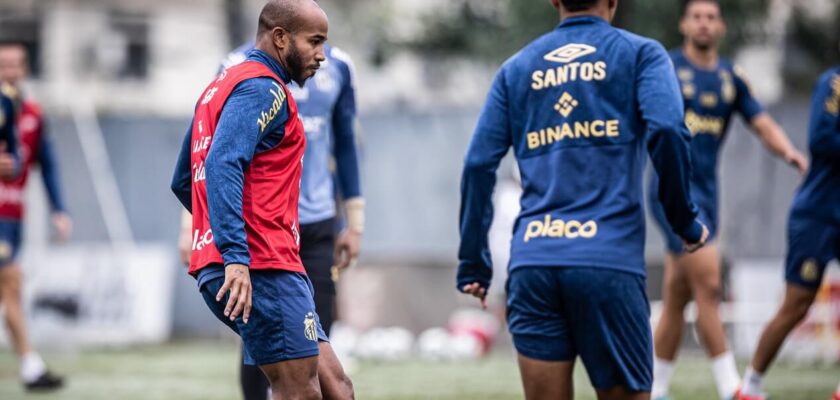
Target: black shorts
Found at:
317, 246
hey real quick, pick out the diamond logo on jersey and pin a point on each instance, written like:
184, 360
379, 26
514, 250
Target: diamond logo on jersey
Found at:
809, 271
310, 327
569, 52
566, 104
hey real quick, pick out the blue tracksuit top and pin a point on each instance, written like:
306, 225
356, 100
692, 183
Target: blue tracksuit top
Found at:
579, 105
819, 196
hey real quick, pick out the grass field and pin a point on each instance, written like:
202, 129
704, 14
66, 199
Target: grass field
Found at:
207, 371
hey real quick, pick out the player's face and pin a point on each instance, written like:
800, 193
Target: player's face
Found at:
703, 24
12, 64
306, 48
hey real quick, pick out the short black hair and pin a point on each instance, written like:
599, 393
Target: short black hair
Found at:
687, 3
282, 13
579, 5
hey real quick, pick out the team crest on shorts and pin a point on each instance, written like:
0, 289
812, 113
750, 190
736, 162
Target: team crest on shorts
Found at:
310, 327
809, 271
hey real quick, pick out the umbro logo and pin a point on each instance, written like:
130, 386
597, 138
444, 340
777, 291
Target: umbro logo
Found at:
569, 52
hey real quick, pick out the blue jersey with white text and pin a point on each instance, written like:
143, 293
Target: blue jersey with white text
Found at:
710, 97
327, 106
579, 106
819, 196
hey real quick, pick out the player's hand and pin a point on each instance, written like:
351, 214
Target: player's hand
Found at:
8, 164
347, 248
692, 247
477, 291
185, 246
238, 281
63, 226
797, 160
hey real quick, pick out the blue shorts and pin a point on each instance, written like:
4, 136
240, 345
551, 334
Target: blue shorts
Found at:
10, 238
599, 314
812, 244
283, 324
673, 242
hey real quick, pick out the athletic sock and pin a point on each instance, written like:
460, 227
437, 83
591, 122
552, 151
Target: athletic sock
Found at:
32, 367
726, 374
753, 382
663, 370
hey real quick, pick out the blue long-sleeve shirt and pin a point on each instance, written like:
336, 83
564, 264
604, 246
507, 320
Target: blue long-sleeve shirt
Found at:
579, 106
49, 172
819, 195
8, 128
327, 106
235, 142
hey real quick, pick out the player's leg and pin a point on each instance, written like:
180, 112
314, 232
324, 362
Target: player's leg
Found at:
335, 384
253, 382
550, 380
609, 319
703, 270
676, 294
793, 310
294, 379
540, 333
811, 245
33, 370
11, 278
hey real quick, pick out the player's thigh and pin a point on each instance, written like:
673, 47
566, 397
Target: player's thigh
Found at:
550, 380
295, 378
702, 269
621, 393
335, 384
675, 287
609, 316
812, 245
535, 315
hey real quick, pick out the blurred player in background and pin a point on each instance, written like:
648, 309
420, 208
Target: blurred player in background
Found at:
34, 147
239, 173
579, 106
813, 232
327, 106
712, 90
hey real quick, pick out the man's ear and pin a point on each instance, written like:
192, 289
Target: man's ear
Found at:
556, 4
280, 37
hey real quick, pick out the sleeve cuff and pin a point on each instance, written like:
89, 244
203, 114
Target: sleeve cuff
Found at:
235, 257
692, 233
470, 273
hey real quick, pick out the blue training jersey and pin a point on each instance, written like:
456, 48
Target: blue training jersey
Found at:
710, 98
819, 195
327, 106
579, 106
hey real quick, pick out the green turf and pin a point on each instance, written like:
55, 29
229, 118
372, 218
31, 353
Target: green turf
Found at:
207, 371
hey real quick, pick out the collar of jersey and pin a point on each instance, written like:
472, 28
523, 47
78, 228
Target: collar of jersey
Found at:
263, 57
582, 19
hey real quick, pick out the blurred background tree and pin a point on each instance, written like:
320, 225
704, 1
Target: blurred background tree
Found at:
495, 29
812, 46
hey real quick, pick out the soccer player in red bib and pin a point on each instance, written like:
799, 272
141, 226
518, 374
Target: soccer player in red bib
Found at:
33, 147
239, 174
